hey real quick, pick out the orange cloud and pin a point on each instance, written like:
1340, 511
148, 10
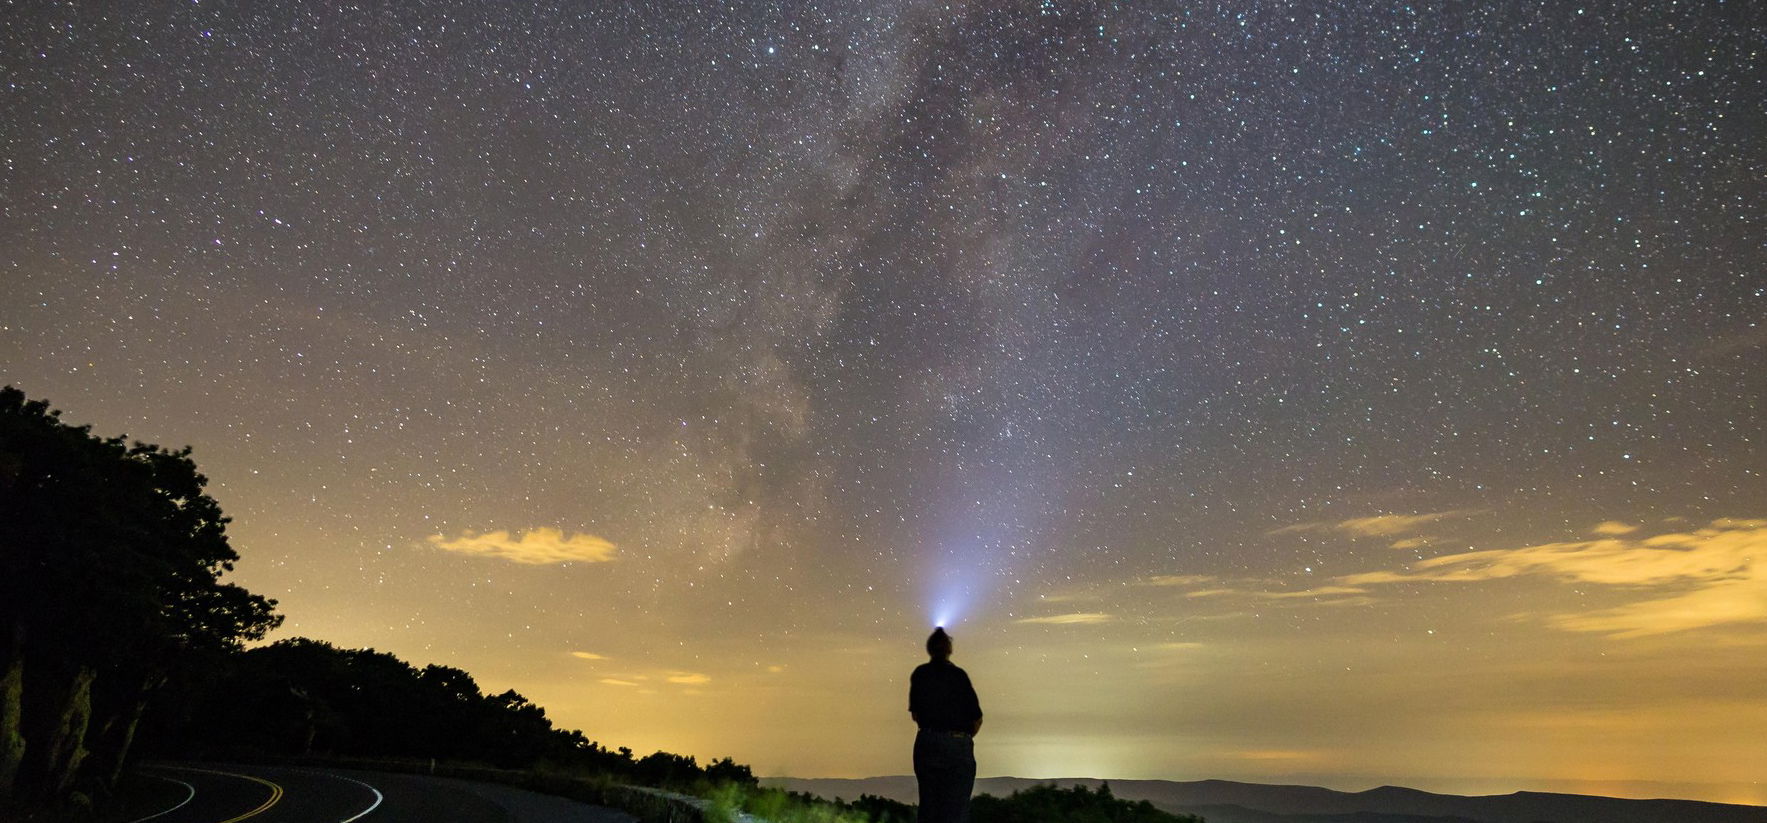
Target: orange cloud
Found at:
1728, 601
1178, 580
1178, 646
1380, 525
688, 678
1613, 527
588, 656
1322, 591
538, 547
1320, 596
1077, 618
1719, 574
1388, 525
1274, 754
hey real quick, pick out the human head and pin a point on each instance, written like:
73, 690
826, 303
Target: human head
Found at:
938, 644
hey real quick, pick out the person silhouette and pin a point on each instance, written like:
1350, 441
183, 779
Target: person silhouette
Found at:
944, 705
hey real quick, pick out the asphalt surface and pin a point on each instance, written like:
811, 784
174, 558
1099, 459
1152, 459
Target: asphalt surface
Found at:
274, 794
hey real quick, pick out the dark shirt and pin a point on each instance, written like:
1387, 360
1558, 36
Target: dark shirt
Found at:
941, 698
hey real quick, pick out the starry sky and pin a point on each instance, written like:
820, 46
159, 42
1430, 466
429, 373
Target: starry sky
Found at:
1348, 393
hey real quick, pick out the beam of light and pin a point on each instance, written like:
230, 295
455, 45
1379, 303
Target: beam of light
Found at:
967, 572
992, 521
947, 604
961, 578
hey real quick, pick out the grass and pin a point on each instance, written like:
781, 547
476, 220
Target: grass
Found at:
731, 802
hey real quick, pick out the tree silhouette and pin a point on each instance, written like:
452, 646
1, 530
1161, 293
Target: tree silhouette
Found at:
109, 578
1078, 804
307, 697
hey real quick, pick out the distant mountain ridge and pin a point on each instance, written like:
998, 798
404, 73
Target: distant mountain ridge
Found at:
1226, 801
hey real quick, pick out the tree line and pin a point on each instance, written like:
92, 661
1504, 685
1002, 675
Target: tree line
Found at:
1076, 804
114, 620
307, 698
1036, 804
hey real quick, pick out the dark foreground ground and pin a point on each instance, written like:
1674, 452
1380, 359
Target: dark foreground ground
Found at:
210, 793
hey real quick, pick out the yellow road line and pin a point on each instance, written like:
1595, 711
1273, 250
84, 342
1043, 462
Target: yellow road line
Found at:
275, 791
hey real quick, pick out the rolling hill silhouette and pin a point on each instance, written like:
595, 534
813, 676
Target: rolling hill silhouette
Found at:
1225, 801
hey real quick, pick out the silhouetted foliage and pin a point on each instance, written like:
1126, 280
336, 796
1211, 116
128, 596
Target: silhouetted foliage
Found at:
777, 805
1048, 804
109, 581
882, 809
308, 697
727, 770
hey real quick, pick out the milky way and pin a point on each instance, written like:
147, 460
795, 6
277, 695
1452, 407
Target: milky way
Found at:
1352, 392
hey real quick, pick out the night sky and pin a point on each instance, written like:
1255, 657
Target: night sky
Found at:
1349, 393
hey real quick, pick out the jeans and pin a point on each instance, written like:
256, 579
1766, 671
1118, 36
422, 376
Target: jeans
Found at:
945, 766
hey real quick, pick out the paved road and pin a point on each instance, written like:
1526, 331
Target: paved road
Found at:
274, 794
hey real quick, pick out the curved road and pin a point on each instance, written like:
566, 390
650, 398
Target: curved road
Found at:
275, 794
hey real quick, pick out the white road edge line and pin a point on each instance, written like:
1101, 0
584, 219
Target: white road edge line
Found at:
371, 807
187, 798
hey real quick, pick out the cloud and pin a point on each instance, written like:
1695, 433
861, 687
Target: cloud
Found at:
1380, 525
1613, 527
1712, 576
1611, 561
1178, 580
617, 682
589, 655
688, 678
1411, 543
1319, 596
1273, 755
1322, 591
1178, 646
1068, 597
1077, 618
537, 547
1720, 603
1388, 525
